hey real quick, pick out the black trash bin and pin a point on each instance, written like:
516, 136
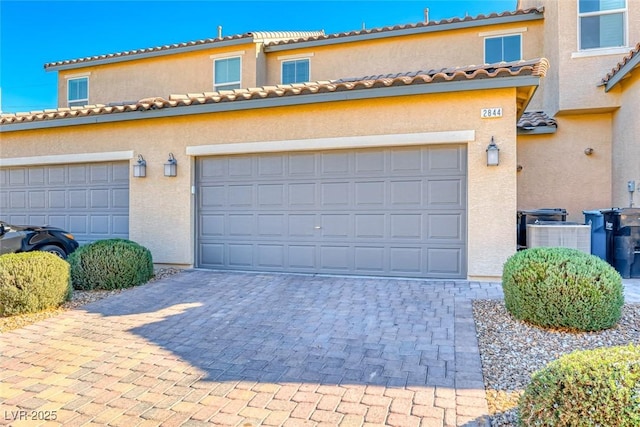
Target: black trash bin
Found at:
535, 216
622, 229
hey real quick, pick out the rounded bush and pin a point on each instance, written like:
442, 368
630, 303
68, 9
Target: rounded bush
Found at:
562, 288
32, 281
585, 388
110, 264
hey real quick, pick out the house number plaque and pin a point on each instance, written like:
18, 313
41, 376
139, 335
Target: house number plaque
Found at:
490, 113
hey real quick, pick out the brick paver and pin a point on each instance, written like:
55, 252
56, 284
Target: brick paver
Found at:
217, 348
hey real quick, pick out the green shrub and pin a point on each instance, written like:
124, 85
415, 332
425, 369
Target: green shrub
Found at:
110, 264
32, 281
562, 288
585, 388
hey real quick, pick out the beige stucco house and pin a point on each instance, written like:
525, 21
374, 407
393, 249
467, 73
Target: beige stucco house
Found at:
357, 153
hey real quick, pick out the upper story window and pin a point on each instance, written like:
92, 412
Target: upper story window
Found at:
78, 92
602, 23
503, 49
295, 71
226, 73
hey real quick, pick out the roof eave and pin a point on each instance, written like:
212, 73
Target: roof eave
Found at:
151, 54
384, 92
622, 73
537, 130
406, 31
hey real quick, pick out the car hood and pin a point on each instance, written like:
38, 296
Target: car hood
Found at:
32, 227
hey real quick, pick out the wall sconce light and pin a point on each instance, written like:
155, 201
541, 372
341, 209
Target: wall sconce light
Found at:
171, 167
588, 151
140, 168
493, 154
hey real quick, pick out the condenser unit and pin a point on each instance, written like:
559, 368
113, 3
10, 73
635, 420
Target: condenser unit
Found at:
559, 234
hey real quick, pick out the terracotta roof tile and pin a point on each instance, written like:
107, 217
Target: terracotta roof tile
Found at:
532, 119
538, 10
260, 35
634, 52
537, 67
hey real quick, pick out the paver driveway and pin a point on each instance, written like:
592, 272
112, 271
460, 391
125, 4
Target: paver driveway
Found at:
217, 348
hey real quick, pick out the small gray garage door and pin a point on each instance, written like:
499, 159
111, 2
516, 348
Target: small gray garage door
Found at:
90, 200
390, 212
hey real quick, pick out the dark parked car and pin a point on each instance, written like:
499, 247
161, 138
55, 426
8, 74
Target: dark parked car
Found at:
26, 238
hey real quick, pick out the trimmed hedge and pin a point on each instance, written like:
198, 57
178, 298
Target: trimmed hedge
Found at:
585, 388
110, 264
562, 288
32, 282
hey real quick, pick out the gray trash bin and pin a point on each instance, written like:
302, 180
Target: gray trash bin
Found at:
595, 218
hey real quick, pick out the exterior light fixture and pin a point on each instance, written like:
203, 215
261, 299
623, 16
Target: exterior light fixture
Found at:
171, 167
140, 168
493, 154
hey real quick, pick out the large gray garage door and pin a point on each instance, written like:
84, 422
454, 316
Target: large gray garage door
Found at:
90, 200
393, 212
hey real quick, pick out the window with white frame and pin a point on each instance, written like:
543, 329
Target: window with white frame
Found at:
503, 48
78, 92
295, 71
602, 23
226, 73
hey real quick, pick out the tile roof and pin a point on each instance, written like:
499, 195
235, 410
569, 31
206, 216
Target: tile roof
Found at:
533, 119
635, 52
253, 36
442, 22
536, 67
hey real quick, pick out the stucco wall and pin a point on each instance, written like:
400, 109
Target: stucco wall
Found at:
626, 136
408, 53
556, 172
193, 72
572, 85
162, 208
159, 76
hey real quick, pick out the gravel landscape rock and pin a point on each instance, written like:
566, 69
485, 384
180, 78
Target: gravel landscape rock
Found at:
512, 350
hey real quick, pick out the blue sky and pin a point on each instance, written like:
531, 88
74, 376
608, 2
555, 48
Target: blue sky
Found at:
33, 33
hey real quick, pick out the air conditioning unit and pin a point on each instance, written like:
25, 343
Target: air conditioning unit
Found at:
559, 234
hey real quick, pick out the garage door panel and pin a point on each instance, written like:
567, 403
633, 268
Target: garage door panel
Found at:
89, 200
368, 162
335, 258
335, 194
37, 200
56, 175
447, 227
369, 259
406, 226
271, 256
271, 166
271, 195
271, 225
302, 257
58, 199
444, 261
446, 160
399, 211
36, 176
241, 255
406, 193
240, 225
370, 194
370, 226
445, 193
